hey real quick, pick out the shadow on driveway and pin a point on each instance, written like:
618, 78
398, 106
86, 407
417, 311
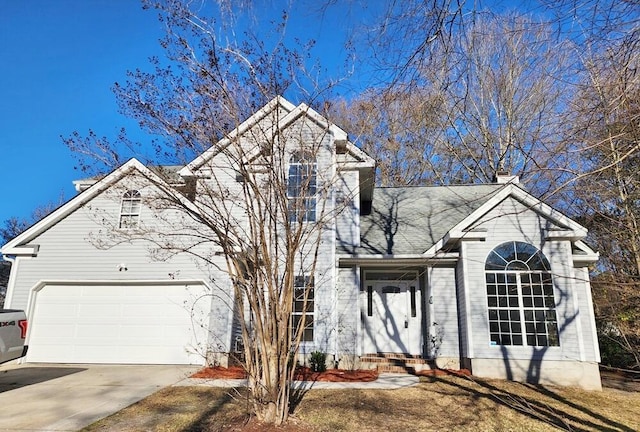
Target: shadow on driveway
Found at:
12, 379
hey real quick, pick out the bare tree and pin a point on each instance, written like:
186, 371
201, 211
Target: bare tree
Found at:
487, 99
401, 130
255, 209
607, 189
15, 226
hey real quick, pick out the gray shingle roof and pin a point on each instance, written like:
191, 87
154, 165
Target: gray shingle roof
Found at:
167, 172
409, 220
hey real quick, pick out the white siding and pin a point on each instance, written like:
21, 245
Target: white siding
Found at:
512, 221
443, 332
587, 318
84, 246
348, 218
348, 310
300, 135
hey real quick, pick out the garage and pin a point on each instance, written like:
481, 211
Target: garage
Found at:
141, 323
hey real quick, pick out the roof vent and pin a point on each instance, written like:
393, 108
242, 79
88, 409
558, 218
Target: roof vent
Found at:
503, 177
341, 146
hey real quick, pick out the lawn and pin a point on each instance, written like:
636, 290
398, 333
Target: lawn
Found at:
437, 403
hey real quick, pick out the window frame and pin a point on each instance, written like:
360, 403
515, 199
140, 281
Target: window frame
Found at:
303, 305
302, 187
521, 302
130, 209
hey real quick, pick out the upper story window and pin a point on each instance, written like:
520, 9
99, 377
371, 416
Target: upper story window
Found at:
130, 209
301, 188
520, 297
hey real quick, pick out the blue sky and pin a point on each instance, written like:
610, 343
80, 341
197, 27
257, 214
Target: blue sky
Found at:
59, 61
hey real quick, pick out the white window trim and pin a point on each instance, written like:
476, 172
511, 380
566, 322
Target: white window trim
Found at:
128, 198
521, 308
300, 201
311, 313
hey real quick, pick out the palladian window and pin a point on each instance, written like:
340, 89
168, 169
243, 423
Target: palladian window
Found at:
130, 209
301, 188
520, 299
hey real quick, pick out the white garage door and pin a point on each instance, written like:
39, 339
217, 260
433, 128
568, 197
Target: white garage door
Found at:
155, 324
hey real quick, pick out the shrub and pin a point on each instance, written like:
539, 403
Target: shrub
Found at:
318, 361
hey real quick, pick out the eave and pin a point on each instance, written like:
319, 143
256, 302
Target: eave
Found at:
409, 260
26, 250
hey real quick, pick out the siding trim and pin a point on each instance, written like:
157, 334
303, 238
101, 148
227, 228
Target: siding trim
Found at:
359, 332
576, 308
430, 328
592, 321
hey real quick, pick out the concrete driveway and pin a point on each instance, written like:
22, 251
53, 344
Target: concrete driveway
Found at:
54, 397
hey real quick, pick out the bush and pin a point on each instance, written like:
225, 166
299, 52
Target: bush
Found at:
613, 354
318, 361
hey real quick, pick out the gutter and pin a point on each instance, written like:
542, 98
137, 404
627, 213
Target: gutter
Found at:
381, 260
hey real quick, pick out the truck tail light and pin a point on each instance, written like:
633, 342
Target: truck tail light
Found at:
23, 328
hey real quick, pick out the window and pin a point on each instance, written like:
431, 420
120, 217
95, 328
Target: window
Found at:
303, 307
130, 209
520, 298
301, 188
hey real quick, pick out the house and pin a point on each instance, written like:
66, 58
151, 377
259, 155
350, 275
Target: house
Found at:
485, 277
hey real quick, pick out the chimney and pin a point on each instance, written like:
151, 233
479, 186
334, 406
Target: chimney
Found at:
503, 177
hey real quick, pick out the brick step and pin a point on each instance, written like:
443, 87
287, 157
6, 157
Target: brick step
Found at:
394, 363
394, 360
396, 369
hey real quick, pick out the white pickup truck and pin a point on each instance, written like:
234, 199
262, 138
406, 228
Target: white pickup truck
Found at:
13, 331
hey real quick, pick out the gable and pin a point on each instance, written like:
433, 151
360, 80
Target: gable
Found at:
280, 116
20, 245
261, 122
275, 117
566, 228
514, 220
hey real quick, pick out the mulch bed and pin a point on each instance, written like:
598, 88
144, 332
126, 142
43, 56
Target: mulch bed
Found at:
301, 374
331, 375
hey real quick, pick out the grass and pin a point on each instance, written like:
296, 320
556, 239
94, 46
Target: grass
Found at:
438, 403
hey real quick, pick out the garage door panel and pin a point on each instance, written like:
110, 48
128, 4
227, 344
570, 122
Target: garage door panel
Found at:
54, 331
137, 333
116, 324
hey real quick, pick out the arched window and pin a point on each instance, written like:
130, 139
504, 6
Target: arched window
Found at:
301, 188
520, 298
130, 209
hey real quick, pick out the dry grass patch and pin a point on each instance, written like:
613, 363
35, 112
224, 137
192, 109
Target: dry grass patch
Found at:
186, 409
437, 403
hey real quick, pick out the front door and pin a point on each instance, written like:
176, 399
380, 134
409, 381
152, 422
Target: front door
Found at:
392, 318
